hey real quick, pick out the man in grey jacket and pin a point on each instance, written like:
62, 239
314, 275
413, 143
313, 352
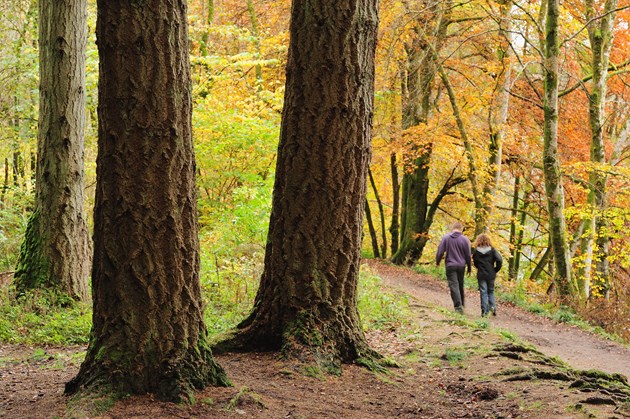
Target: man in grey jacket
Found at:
456, 247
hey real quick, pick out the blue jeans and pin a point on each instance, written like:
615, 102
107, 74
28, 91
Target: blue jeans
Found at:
455, 278
486, 292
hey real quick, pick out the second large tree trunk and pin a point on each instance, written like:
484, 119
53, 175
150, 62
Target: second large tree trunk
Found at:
307, 300
148, 333
56, 251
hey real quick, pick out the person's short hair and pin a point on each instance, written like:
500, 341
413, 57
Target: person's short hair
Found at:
457, 225
483, 240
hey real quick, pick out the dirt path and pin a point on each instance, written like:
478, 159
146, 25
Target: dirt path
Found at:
582, 350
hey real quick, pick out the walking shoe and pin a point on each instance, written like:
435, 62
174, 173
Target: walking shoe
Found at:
493, 310
460, 310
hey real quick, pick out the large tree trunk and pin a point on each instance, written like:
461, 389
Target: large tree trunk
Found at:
56, 250
307, 300
551, 160
148, 333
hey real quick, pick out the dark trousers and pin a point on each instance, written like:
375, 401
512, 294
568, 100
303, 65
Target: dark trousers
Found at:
455, 278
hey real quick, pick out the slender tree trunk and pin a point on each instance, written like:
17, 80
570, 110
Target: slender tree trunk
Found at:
394, 228
307, 299
57, 246
518, 250
381, 215
601, 39
480, 215
17, 164
148, 333
253, 17
209, 21
551, 160
372, 230
540, 266
497, 118
5, 184
512, 270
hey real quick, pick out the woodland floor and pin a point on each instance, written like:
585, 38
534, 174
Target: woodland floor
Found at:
450, 367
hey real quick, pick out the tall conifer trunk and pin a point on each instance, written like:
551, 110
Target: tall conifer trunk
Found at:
307, 300
148, 333
56, 250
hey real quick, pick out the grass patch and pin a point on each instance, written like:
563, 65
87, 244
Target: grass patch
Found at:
454, 356
380, 308
40, 318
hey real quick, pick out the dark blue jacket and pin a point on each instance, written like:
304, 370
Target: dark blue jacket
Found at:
488, 262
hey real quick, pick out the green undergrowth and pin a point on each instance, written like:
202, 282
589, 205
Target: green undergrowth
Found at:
43, 317
562, 314
228, 290
380, 307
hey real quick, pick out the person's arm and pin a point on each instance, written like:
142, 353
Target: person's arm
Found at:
468, 256
498, 261
440, 252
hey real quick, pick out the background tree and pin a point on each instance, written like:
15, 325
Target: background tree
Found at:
148, 333
417, 210
56, 249
600, 34
307, 299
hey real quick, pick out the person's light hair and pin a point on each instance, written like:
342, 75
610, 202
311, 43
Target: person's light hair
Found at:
483, 240
457, 225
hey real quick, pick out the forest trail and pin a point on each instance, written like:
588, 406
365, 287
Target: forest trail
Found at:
580, 349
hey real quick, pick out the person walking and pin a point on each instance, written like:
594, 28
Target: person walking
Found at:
488, 262
455, 249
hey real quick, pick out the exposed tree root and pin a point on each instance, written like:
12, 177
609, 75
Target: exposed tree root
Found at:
614, 387
319, 346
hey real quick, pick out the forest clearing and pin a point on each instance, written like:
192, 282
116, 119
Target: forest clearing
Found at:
449, 367
218, 208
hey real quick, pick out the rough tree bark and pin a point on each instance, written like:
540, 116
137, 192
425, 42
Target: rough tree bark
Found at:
56, 250
148, 333
551, 161
307, 300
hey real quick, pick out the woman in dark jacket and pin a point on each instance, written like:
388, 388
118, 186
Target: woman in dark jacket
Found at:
488, 262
